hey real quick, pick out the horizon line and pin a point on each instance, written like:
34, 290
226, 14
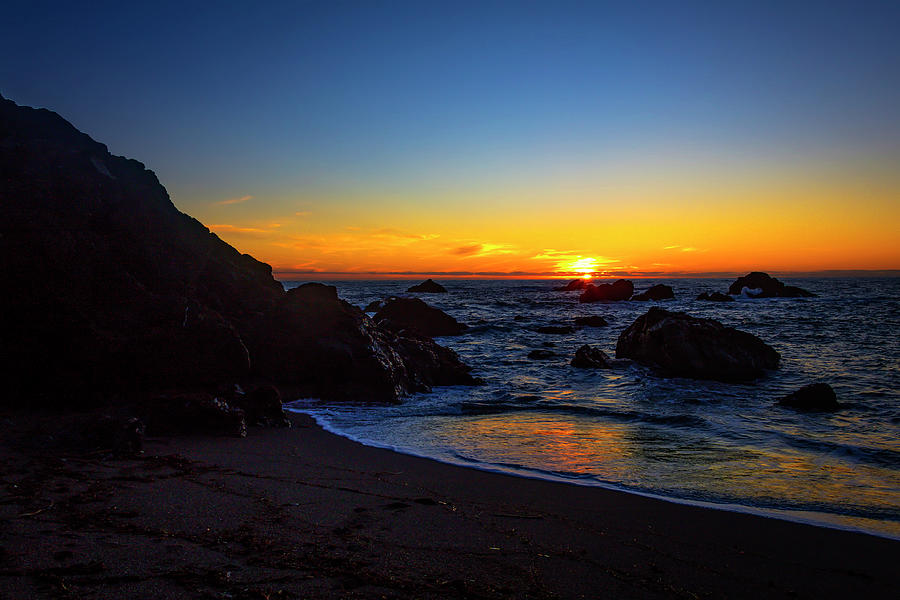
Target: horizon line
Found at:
289, 274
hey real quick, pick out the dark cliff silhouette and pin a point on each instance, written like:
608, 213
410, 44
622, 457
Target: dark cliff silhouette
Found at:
109, 288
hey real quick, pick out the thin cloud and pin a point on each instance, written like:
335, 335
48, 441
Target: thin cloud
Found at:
233, 201
485, 249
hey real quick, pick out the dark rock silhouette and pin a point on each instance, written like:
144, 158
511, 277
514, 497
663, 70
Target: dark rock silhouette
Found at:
715, 297
262, 406
561, 329
768, 287
591, 358
657, 292
575, 284
415, 314
373, 306
428, 286
116, 434
541, 354
112, 290
591, 321
686, 346
620, 290
193, 413
812, 397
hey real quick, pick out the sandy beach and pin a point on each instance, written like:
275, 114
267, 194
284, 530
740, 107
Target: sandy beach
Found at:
301, 513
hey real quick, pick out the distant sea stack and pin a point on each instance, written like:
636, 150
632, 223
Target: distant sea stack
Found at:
428, 287
761, 285
607, 292
574, 285
109, 289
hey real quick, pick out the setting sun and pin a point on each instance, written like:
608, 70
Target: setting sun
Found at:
583, 266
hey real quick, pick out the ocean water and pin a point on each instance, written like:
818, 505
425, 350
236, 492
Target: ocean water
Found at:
711, 443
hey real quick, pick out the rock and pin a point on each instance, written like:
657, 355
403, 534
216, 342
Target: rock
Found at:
121, 436
428, 286
262, 406
761, 285
715, 297
412, 313
812, 397
373, 306
428, 364
591, 321
620, 290
576, 284
657, 292
182, 414
591, 358
686, 346
560, 329
541, 354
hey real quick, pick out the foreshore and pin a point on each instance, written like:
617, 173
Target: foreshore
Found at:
302, 513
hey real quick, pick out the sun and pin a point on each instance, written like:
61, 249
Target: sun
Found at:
583, 266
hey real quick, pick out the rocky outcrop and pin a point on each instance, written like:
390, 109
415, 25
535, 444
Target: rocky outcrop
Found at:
575, 284
761, 285
111, 290
686, 346
812, 397
558, 329
620, 290
411, 313
715, 297
591, 358
429, 287
657, 292
194, 413
591, 321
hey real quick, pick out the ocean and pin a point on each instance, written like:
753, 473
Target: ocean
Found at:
716, 444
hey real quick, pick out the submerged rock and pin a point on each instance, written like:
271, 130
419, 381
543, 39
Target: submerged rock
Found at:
657, 292
560, 329
541, 354
620, 290
591, 358
428, 286
812, 397
761, 285
687, 346
576, 284
715, 297
591, 321
415, 314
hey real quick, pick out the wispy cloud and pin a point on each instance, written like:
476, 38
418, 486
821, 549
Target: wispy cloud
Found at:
246, 231
233, 201
481, 249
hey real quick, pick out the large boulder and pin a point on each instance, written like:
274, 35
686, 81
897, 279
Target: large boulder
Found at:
429, 287
575, 284
112, 292
812, 397
620, 290
415, 314
687, 346
657, 292
761, 285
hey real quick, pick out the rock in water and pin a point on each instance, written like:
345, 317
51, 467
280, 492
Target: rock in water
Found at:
768, 287
592, 321
686, 346
715, 297
620, 290
575, 284
657, 292
812, 397
541, 354
591, 358
560, 329
412, 313
428, 286
116, 291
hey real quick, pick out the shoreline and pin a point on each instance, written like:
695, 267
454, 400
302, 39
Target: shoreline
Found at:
301, 512
792, 516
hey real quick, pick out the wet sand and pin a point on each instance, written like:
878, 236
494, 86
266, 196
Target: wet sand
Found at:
301, 513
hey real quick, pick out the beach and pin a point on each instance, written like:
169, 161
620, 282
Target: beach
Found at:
301, 513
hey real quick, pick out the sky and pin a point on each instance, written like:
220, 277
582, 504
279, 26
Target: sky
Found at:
339, 139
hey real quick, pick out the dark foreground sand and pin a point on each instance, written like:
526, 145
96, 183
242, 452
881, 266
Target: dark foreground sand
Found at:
300, 513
